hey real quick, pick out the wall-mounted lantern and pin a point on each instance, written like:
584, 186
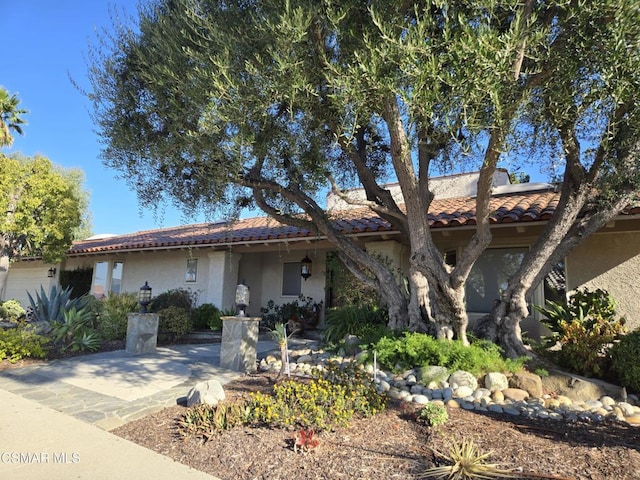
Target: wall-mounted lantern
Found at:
51, 272
144, 296
305, 267
242, 299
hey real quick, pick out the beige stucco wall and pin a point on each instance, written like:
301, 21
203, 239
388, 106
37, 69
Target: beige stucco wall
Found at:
610, 261
218, 274
271, 274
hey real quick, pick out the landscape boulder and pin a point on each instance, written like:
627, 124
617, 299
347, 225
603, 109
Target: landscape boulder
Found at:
209, 392
528, 381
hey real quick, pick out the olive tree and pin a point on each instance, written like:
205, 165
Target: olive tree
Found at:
222, 105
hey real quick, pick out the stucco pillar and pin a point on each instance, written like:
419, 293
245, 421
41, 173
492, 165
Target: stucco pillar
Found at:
223, 278
142, 333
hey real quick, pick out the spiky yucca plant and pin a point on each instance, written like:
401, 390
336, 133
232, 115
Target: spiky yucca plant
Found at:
467, 463
279, 334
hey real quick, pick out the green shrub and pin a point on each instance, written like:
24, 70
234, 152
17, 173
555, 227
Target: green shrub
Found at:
12, 310
624, 360
78, 280
346, 288
21, 342
360, 320
325, 402
419, 349
174, 323
585, 327
178, 297
302, 311
435, 415
205, 421
207, 315
112, 322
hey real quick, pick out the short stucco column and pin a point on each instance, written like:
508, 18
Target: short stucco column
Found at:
142, 333
238, 351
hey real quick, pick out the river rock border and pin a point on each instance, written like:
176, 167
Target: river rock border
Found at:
460, 389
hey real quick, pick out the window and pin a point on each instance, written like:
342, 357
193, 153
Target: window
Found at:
291, 279
490, 276
116, 277
107, 278
191, 273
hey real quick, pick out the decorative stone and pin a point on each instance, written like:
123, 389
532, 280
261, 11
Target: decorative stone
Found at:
626, 408
528, 381
564, 401
463, 379
463, 391
515, 394
495, 408
435, 374
420, 399
495, 381
498, 396
607, 401
633, 420
552, 403
411, 379
209, 392
351, 345
416, 389
383, 386
452, 404
511, 411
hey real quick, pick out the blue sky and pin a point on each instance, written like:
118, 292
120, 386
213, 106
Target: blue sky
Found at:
44, 43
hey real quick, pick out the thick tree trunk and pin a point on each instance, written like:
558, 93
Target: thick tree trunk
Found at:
419, 304
450, 313
5, 259
4, 273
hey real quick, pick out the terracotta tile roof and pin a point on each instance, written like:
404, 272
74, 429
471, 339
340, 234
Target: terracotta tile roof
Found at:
446, 213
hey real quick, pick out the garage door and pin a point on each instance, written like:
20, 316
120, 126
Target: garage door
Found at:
22, 279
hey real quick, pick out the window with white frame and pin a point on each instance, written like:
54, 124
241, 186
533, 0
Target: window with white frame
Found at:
107, 278
291, 279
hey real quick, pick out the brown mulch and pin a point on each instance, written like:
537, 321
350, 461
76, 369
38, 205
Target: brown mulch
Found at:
395, 445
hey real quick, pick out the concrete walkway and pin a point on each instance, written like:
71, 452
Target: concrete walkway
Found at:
55, 417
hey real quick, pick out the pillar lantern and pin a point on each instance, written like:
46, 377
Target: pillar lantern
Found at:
144, 296
242, 299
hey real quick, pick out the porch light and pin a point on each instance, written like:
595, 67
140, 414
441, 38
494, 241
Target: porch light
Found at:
51, 272
242, 299
305, 267
144, 296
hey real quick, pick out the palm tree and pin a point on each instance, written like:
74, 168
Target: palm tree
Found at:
10, 117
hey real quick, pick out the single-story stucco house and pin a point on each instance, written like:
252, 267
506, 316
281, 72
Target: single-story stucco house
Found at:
210, 259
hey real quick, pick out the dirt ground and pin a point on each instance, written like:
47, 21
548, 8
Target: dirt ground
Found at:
395, 445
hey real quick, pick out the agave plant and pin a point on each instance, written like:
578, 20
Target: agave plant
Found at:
74, 331
50, 308
467, 462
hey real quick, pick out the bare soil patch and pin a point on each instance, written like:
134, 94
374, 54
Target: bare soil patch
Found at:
395, 445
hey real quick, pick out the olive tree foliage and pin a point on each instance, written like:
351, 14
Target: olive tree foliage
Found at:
41, 208
585, 119
225, 105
